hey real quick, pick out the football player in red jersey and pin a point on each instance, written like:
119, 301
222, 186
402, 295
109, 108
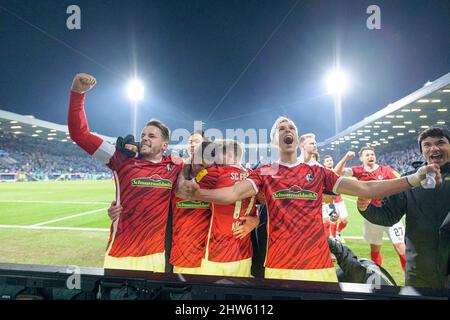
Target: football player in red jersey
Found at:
297, 247
144, 186
191, 219
228, 245
373, 234
308, 149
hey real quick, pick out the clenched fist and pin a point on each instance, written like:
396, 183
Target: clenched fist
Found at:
350, 155
83, 82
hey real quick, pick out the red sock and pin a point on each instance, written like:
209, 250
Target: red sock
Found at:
376, 257
326, 226
402, 261
333, 229
341, 226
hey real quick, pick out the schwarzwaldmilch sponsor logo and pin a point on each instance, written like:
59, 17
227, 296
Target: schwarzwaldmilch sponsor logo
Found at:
155, 181
295, 192
192, 204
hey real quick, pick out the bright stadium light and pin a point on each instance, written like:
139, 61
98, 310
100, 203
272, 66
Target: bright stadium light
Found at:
135, 92
337, 82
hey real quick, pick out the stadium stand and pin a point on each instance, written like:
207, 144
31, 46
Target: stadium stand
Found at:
393, 130
32, 149
41, 160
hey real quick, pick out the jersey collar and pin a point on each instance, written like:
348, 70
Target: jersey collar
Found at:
289, 165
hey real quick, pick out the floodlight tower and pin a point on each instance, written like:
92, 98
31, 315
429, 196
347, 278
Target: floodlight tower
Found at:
337, 84
135, 93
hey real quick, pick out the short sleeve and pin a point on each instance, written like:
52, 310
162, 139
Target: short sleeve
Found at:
256, 179
330, 180
393, 174
208, 178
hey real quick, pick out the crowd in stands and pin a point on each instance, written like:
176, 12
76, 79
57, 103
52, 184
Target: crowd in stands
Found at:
40, 159
401, 160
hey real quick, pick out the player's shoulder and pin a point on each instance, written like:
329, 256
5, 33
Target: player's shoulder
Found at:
389, 170
358, 169
212, 170
385, 168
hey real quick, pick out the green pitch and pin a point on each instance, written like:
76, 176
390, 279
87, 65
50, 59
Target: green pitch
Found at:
66, 223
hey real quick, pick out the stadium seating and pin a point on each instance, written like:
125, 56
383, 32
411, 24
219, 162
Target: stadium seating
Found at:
43, 159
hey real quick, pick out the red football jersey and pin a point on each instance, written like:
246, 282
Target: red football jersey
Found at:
190, 226
144, 190
380, 173
222, 245
296, 237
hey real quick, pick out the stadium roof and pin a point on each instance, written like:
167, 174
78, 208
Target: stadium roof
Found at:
30, 126
398, 121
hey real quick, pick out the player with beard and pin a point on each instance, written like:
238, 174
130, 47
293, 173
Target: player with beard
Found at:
190, 219
144, 186
373, 234
297, 247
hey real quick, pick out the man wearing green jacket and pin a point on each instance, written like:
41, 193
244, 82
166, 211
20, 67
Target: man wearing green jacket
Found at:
427, 247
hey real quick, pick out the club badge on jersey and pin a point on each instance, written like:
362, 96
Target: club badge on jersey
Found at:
309, 177
169, 167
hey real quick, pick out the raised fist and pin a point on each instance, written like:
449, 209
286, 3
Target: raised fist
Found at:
350, 155
83, 82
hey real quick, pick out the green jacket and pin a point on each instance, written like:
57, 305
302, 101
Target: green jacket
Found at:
427, 240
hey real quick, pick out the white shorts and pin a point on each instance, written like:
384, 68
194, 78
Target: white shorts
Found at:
325, 211
373, 233
341, 209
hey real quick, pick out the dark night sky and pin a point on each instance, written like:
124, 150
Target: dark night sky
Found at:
189, 53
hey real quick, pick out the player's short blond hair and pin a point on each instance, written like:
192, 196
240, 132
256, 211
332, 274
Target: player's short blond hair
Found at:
305, 136
274, 131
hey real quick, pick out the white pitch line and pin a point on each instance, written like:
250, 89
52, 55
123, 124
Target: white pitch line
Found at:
52, 228
69, 217
54, 202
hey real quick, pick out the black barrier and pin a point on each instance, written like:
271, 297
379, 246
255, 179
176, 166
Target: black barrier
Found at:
37, 282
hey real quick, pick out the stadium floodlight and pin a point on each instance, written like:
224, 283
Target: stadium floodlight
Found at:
337, 82
135, 92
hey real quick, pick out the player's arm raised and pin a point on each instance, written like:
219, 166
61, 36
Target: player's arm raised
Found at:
228, 195
383, 188
77, 121
340, 167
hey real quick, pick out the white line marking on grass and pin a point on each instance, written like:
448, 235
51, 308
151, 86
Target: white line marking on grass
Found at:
54, 202
358, 238
69, 217
53, 228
